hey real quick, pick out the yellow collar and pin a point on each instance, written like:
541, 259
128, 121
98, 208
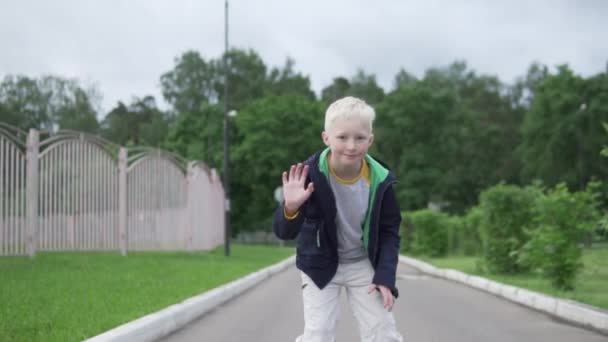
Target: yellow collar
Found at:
363, 173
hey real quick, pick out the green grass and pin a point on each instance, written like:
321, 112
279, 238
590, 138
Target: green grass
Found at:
72, 296
591, 284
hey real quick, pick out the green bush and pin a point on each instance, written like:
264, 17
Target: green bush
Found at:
429, 234
455, 227
561, 220
470, 238
506, 210
407, 231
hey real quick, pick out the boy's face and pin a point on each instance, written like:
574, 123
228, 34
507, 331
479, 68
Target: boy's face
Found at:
349, 141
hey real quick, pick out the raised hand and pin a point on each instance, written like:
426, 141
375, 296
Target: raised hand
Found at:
294, 191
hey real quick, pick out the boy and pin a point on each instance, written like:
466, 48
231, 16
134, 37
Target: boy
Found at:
341, 205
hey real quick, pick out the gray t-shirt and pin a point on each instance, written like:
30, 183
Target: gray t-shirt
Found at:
351, 203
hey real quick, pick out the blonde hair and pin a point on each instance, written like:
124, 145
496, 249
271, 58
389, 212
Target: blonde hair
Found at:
349, 108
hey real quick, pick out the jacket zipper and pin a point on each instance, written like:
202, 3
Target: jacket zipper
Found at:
318, 239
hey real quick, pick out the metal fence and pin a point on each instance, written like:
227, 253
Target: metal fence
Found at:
73, 191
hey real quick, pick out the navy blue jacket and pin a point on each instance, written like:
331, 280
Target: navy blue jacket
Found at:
315, 227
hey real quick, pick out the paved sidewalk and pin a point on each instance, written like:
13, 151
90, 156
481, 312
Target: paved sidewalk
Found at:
429, 309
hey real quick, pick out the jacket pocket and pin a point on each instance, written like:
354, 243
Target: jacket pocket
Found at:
310, 240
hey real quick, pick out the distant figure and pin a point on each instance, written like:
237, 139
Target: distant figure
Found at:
341, 205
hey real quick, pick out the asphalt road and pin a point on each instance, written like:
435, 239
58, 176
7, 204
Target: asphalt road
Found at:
428, 309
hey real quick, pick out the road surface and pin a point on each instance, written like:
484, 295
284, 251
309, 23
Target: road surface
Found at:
428, 309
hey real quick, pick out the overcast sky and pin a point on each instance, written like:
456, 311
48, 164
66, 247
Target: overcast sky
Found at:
123, 46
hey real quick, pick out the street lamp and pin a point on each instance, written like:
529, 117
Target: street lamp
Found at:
227, 231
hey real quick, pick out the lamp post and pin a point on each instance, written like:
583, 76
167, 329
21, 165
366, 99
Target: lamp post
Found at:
227, 232
579, 149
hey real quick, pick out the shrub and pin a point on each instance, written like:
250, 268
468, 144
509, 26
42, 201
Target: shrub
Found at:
429, 232
470, 238
407, 231
506, 210
561, 221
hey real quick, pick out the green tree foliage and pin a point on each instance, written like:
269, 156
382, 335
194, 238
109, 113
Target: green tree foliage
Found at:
246, 77
24, 105
190, 84
413, 137
141, 123
286, 81
366, 87
523, 91
199, 135
339, 88
563, 129
450, 135
273, 133
195, 90
49, 102
404, 79
361, 85
69, 105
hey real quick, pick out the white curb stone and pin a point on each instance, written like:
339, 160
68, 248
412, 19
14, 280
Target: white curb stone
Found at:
571, 311
161, 323
494, 287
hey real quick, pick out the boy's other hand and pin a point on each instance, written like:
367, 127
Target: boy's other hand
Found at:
294, 191
387, 296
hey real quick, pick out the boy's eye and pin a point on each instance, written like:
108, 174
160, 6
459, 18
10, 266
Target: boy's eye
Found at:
341, 137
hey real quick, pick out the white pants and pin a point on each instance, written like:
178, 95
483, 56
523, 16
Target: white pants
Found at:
376, 324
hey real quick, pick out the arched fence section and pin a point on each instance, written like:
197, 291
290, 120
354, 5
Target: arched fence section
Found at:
74, 191
77, 193
156, 207
12, 191
205, 207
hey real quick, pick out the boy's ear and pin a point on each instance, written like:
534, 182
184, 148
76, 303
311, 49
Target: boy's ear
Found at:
371, 139
325, 138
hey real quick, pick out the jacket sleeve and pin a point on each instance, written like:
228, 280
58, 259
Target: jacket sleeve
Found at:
389, 240
284, 228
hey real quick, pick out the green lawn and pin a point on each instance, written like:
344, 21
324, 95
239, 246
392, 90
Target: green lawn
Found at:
72, 296
591, 284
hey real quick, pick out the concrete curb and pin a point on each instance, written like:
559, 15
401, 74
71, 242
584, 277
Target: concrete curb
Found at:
570, 311
161, 323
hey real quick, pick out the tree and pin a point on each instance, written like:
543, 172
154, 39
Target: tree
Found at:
286, 81
198, 136
273, 133
50, 102
142, 123
336, 90
117, 124
190, 84
24, 105
69, 105
414, 138
562, 130
460, 129
364, 86
523, 91
361, 85
246, 80
404, 79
